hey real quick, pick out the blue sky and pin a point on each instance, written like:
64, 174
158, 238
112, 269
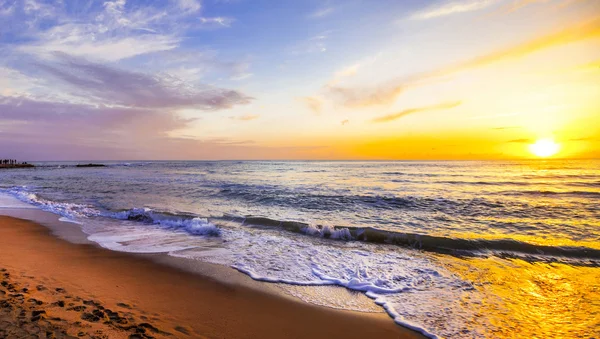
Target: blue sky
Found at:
220, 79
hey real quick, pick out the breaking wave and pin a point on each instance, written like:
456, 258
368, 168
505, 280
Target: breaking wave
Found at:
196, 225
77, 212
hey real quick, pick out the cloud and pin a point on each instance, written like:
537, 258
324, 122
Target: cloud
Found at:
241, 76
313, 103
109, 30
189, 5
351, 70
321, 12
315, 44
450, 8
362, 97
75, 41
401, 114
7, 8
217, 21
36, 129
194, 65
348, 71
246, 117
42, 130
112, 85
86, 120
520, 141
576, 32
586, 139
388, 92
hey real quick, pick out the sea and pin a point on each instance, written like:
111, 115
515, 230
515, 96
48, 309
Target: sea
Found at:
458, 249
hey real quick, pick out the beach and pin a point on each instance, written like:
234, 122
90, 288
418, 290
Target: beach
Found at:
450, 250
54, 288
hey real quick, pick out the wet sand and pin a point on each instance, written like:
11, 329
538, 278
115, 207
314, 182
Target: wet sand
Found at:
53, 288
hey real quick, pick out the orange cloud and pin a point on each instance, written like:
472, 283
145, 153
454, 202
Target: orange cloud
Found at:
246, 117
387, 93
401, 114
313, 103
577, 32
361, 97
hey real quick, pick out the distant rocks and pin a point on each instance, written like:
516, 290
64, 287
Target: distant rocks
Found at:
90, 165
16, 166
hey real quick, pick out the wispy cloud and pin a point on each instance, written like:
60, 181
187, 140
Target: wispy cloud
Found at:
217, 21
242, 76
114, 31
69, 39
388, 92
348, 71
449, 8
401, 114
314, 44
83, 120
189, 5
313, 103
321, 12
520, 141
7, 8
120, 87
246, 117
584, 139
363, 97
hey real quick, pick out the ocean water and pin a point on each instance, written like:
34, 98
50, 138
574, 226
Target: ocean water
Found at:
451, 249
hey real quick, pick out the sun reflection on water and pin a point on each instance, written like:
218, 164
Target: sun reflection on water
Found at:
533, 300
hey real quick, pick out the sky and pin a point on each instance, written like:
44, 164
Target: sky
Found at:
288, 79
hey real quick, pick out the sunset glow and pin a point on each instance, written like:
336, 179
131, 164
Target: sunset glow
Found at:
184, 79
394, 168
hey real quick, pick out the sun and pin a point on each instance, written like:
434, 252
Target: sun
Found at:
544, 148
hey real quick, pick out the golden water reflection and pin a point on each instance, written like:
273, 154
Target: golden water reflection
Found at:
533, 300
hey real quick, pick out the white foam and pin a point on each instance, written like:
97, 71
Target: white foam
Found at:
8, 201
194, 226
327, 231
75, 213
63, 219
141, 239
68, 210
408, 285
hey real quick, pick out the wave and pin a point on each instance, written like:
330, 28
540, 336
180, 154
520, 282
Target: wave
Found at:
430, 243
195, 225
545, 193
64, 209
191, 224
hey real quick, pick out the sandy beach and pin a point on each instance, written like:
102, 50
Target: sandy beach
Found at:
52, 288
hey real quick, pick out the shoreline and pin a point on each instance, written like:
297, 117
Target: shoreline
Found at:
162, 299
